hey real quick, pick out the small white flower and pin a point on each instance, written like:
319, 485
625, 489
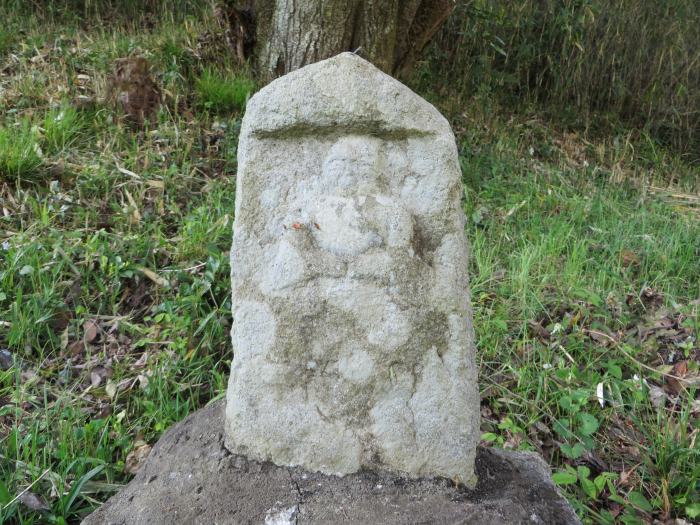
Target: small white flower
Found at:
6, 245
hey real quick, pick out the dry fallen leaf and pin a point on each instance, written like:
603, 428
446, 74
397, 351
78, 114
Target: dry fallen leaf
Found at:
153, 276
33, 501
539, 330
141, 362
136, 458
658, 396
76, 348
104, 411
651, 298
143, 381
600, 336
681, 379
111, 389
132, 87
64, 338
6, 359
134, 213
99, 374
626, 477
680, 369
628, 258
90, 331
28, 375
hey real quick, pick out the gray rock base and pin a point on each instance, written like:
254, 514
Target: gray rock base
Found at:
191, 478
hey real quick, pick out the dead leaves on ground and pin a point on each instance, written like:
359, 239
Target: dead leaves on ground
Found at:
684, 203
662, 337
33, 501
654, 345
137, 457
132, 89
87, 362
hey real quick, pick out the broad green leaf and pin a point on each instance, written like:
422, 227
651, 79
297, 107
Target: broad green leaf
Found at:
630, 519
615, 370
565, 403
588, 442
588, 424
589, 488
574, 451
617, 499
638, 500
564, 478
506, 424
583, 471
692, 510
500, 324
563, 428
580, 395
600, 481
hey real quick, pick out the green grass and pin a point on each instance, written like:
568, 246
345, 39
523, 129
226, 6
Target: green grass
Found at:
24, 143
114, 283
20, 156
6, 41
223, 93
590, 63
63, 127
548, 250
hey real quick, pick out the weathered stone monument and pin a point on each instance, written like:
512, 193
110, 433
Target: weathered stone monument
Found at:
353, 392
352, 334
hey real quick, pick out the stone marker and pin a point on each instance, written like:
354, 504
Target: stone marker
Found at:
352, 336
352, 332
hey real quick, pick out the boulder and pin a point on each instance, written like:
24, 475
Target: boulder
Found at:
191, 478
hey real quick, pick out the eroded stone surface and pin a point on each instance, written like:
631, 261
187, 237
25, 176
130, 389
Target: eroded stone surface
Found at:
190, 478
352, 335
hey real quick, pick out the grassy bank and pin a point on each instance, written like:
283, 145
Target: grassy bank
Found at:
114, 278
593, 65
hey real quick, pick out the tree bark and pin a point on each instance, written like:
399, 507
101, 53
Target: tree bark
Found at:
284, 35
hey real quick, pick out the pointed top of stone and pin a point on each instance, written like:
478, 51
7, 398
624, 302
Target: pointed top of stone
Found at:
343, 93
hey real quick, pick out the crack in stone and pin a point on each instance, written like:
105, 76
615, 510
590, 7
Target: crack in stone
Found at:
300, 499
408, 404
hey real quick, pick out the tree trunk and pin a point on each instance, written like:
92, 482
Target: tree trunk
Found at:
284, 35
